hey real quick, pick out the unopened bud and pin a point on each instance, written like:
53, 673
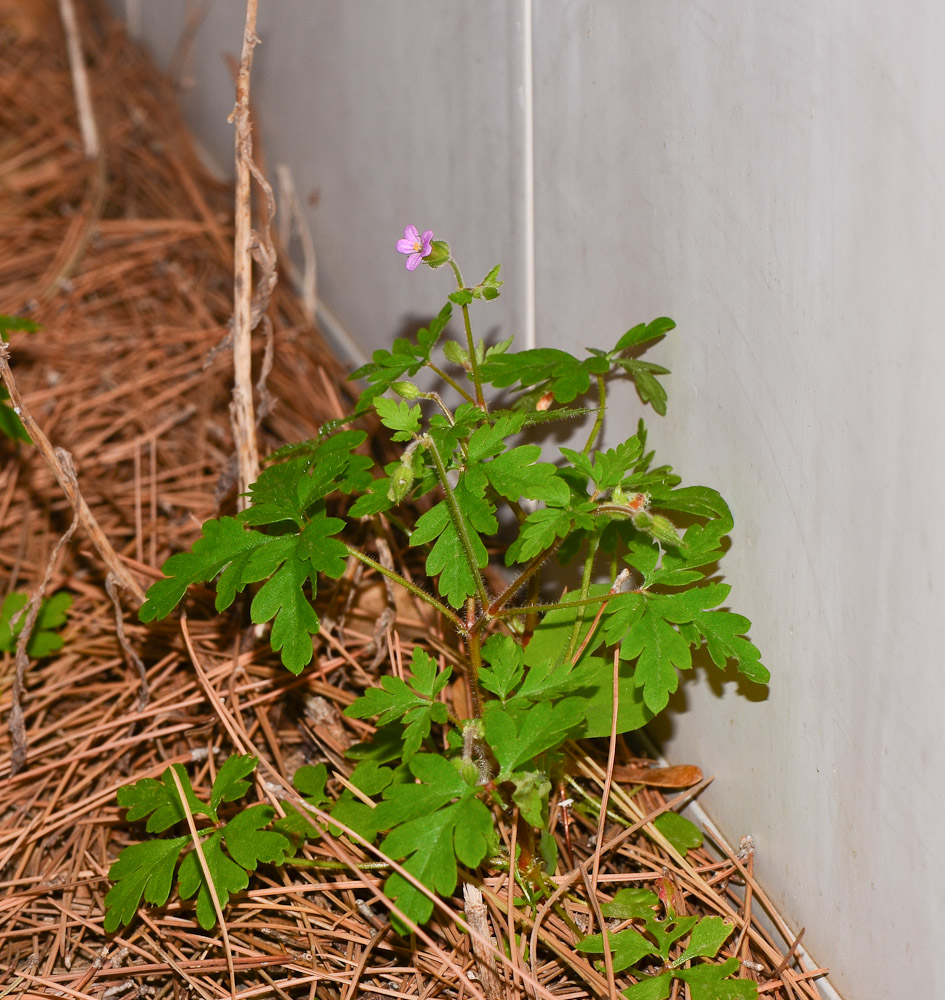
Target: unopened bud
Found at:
662, 529
439, 253
407, 390
400, 482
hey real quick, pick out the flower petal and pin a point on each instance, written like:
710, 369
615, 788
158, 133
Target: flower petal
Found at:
406, 246
413, 261
410, 233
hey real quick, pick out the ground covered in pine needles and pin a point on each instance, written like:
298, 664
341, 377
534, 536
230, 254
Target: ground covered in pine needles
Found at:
125, 262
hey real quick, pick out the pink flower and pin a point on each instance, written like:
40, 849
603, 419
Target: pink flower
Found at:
416, 246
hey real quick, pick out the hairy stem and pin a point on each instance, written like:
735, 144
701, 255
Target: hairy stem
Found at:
599, 419
451, 382
474, 361
533, 566
470, 343
586, 577
459, 523
475, 662
411, 588
584, 602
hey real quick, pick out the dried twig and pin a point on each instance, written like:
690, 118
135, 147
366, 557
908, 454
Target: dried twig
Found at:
17, 728
80, 80
483, 944
56, 458
244, 424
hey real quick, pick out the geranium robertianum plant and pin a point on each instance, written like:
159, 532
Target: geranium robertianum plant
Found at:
470, 487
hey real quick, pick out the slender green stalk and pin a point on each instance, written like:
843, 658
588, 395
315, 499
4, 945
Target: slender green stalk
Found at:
599, 419
458, 521
584, 602
586, 578
470, 343
450, 381
412, 588
459, 278
474, 361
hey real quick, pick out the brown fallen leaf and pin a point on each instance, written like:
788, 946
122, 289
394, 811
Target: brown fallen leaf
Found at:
674, 776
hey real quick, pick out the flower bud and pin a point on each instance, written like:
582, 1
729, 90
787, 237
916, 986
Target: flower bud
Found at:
400, 482
439, 253
663, 530
407, 390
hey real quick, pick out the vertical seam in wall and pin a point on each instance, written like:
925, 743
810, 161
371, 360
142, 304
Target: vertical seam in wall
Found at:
528, 125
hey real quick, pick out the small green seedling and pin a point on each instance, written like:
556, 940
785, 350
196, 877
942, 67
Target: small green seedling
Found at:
655, 931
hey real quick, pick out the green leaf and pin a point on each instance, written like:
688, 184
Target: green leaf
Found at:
517, 474
607, 469
648, 386
282, 600
249, 844
679, 831
438, 783
629, 904
221, 541
228, 877
550, 673
724, 636
159, 800
10, 324
707, 937
10, 424
388, 702
530, 791
701, 546
710, 982
565, 375
632, 710
377, 500
447, 558
230, 783
506, 665
432, 843
326, 554
274, 497
44, 640
395, 699
543, 527
356, 815
371, 778
628, 947
519, 740
309, 781
384, 746
651, 988
667, 932
399, 416
644, 332
698, 500
488, 288
145, 869
659, 651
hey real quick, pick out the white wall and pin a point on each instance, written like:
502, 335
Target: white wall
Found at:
770, 175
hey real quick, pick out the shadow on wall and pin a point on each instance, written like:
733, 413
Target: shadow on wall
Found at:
727, 683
